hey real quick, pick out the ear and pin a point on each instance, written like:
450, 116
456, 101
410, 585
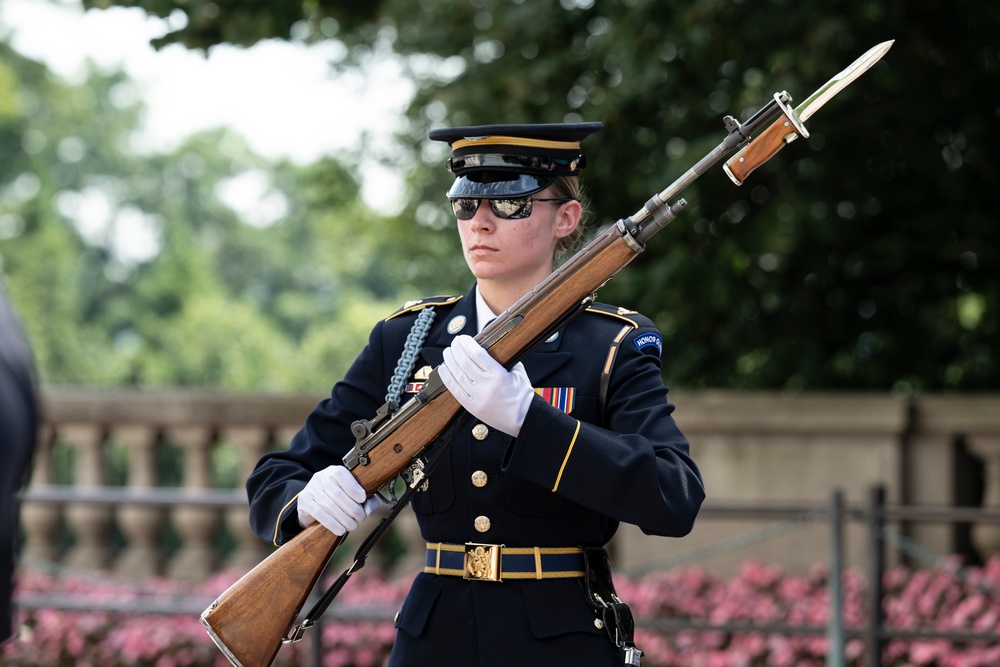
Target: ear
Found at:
567, 218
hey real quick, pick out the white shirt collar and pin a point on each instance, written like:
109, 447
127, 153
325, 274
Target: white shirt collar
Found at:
483, 312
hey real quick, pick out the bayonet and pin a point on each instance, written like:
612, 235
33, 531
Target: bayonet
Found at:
792, 125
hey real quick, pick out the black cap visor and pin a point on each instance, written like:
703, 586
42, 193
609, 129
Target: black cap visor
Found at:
498, 185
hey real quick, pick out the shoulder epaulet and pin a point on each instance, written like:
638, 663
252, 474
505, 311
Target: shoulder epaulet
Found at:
420, 304
617, 312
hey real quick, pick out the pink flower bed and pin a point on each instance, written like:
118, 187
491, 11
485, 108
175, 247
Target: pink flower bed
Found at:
57, 638
757, 593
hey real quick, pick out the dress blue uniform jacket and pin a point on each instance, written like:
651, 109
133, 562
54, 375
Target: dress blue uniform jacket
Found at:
586, 459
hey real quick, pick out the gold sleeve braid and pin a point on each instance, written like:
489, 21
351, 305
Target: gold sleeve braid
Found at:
277, 524
569, 452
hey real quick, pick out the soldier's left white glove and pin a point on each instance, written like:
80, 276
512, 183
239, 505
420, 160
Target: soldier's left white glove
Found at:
494, 395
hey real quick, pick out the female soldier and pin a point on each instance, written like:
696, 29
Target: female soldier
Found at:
576, 438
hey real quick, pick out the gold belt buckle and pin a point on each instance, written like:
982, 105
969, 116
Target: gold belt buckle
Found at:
482, 562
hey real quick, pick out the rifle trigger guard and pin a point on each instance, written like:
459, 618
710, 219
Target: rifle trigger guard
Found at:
412, 475
388, 493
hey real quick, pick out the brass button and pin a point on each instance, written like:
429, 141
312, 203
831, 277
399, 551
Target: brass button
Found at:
479, 479
482, 523
480, 431
599, 624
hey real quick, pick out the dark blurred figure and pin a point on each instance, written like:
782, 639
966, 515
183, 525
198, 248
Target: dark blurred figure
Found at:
18, 426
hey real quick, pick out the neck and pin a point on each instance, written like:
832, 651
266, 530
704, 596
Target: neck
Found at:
500, 295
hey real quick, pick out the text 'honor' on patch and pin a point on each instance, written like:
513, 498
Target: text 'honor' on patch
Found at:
649, 340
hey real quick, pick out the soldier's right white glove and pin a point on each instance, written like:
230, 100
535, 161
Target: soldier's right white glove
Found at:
494, 395
335, 498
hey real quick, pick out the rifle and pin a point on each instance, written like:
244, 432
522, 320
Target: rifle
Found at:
252, 619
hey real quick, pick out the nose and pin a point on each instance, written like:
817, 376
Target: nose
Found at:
484, 218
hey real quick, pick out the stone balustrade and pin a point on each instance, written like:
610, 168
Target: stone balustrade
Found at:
215, 439
177, 460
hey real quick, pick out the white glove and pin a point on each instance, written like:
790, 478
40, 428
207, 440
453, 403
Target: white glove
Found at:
494, 395
335, 499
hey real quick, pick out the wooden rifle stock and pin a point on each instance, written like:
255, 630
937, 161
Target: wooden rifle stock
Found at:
251, 619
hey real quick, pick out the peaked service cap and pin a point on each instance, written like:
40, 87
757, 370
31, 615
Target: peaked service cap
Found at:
507, 161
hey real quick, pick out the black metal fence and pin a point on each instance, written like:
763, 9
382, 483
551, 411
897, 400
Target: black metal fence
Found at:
878, 518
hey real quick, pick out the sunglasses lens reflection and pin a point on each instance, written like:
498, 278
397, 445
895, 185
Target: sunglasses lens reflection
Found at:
464, 208
512, 208
508, 209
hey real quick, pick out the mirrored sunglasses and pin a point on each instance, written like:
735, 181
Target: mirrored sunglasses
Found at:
508, 209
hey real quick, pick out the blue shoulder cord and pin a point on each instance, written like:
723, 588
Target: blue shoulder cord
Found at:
411, 348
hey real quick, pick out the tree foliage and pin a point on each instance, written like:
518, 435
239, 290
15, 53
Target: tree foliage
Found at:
132, 269
865, 257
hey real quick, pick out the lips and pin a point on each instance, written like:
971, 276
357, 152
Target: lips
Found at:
481, 250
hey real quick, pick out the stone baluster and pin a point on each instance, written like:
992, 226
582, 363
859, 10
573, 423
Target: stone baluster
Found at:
253, 442
986, 536
197, 526
40, 521
141, 524
90, 523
